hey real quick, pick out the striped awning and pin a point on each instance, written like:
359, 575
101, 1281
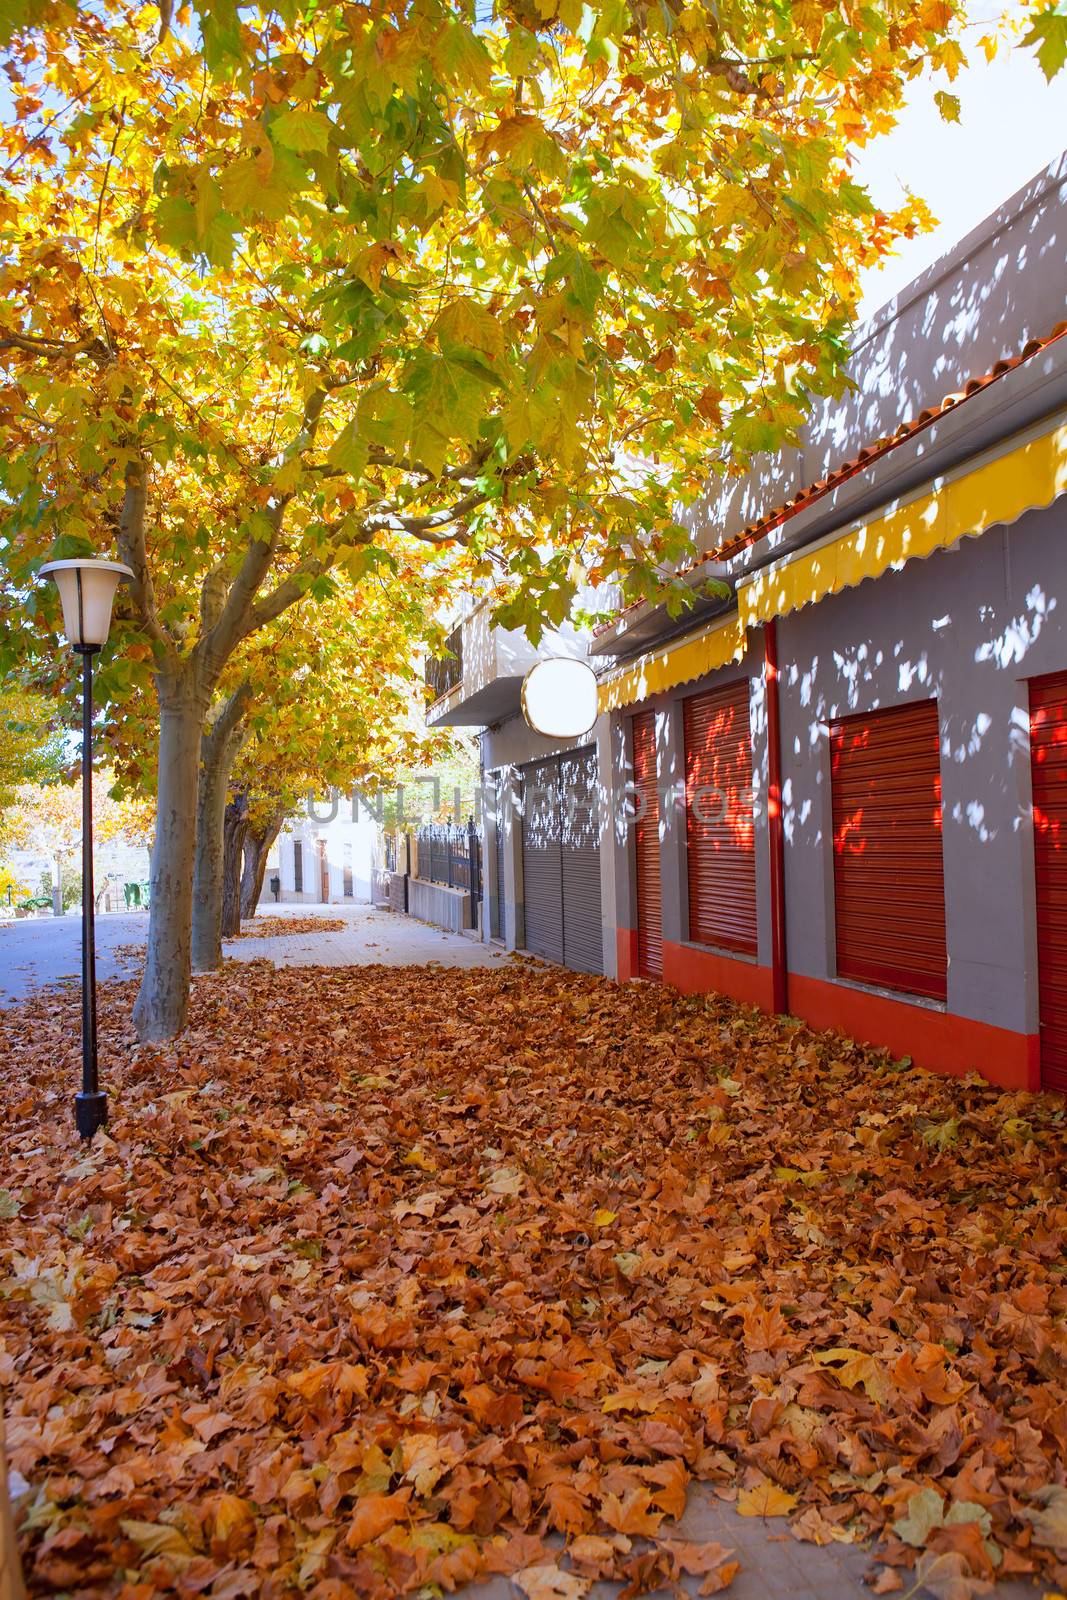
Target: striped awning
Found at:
995, 490
959, 505
675, 663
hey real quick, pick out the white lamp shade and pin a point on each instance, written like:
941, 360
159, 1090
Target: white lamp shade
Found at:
87, 590
559, 698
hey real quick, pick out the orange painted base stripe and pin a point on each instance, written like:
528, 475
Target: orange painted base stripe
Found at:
626, 953
936, 1040
694, 971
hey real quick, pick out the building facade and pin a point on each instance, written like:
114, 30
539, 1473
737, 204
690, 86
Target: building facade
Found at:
326, 857
842, 793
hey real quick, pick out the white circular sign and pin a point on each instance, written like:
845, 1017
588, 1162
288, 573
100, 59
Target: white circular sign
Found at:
559, 698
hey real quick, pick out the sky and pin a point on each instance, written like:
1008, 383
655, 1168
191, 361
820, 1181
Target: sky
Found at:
1012, 124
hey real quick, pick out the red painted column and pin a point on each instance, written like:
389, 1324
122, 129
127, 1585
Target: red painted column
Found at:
775, 828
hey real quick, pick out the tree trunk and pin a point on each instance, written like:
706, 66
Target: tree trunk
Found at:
12, 1586
257, 848
218, 750
235, 832
163, 998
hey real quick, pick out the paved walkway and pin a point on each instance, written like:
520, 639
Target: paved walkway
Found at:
39, 950
374, 935
774, 1565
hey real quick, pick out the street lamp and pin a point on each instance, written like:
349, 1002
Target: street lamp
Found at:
87, 590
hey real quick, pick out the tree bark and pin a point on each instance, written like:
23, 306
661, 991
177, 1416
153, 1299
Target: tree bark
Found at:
218, 750
163, 999
257, 848
235, 832
12, 1586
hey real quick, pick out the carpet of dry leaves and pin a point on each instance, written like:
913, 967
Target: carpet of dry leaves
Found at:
278, 927
389, 1278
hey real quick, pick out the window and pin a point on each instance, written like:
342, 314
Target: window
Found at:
298, 867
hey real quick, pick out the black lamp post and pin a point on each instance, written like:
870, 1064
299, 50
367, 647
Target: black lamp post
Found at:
87, 590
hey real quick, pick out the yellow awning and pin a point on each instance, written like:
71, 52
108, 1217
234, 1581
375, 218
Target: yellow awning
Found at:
957, 506
676, 663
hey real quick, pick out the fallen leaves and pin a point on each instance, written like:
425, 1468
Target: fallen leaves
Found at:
765, 1499
382, 1278
1050, 1523
289, 927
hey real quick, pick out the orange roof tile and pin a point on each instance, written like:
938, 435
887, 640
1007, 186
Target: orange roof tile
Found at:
871, 452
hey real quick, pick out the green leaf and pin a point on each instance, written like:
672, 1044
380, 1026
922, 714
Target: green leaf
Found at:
449, 396
948, 105
349, 450
460, 55
384, 417
1049, 34
466, 325
9, 1206
302, 130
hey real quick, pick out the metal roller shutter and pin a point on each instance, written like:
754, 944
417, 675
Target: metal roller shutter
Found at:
500, 800
718, 819
1048, 759
649, 893
542, 860
889, 881
583, 937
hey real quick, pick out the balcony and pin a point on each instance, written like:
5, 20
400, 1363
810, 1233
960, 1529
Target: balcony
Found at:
443, 674
480, 682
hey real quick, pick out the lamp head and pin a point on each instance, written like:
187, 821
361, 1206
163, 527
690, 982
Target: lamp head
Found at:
559, 698
87, 590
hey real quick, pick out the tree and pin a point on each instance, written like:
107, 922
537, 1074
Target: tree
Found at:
31, 749
47, 819
327, 698
282, 297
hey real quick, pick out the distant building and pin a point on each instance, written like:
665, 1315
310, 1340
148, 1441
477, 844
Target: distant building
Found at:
322, 859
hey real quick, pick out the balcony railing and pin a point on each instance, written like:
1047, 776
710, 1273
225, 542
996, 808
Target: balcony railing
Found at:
444, 675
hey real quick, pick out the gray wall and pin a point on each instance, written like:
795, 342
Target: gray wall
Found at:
970, 625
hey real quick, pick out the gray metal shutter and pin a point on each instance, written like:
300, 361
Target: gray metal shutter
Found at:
501, 795
583, 938
542, 860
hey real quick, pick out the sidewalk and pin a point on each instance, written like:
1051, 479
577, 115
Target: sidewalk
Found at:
374, 935
40, 950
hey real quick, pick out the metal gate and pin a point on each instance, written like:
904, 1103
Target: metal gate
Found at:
583, 934
889, 876
1048, 761
646, 829
499, 932
561, 861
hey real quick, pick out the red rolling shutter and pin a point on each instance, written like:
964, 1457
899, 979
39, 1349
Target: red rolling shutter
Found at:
718, 819
889, 880
1048, 759
649, 904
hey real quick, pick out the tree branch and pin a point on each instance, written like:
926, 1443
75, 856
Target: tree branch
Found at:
217, 644
134, 552
218, 734
57, 349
